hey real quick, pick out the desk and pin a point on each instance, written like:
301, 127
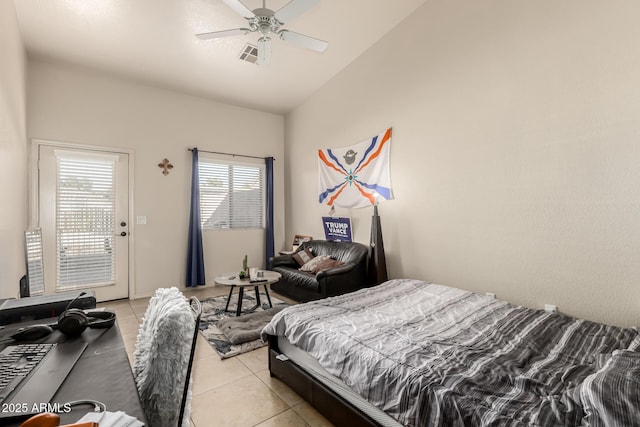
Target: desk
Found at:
102, 373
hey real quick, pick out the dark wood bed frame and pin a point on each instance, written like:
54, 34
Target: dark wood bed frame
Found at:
331, 405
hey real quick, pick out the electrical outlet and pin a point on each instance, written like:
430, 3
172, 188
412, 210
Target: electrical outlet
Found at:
550, 308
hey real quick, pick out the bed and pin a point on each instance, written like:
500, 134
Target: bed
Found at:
411, 353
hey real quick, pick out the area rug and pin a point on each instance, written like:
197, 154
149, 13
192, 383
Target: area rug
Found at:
213, 311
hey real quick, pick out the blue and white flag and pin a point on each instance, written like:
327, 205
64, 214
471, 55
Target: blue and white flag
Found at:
355, 176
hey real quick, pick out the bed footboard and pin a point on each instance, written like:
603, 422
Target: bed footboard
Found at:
331, 405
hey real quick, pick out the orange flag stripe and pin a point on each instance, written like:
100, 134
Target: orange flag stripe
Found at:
335, 196
385, 138
365, 194
327, 162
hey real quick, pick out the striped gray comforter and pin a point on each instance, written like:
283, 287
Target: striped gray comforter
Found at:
430, 355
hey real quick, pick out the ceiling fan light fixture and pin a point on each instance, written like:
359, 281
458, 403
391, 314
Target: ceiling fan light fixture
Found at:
264, 50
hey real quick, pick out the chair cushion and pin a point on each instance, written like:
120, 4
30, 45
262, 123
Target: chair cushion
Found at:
161, 357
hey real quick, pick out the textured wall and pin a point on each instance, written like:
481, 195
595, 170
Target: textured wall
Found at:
515, 158
13, 152
79, 105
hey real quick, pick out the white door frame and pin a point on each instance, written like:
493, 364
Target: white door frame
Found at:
34, 208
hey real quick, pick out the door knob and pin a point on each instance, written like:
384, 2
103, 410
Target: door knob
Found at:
124, 233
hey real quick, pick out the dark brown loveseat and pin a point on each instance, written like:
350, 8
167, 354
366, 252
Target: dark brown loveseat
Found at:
303, 286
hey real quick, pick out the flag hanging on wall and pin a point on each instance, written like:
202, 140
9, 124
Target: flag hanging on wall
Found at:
355, 176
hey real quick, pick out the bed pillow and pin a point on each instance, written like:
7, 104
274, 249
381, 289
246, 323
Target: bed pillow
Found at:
327, 264
311, 265
611, 395
304, 256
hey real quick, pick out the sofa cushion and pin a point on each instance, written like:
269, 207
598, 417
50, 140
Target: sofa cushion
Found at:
342, 251
311, 265
327, 265
303, 257
294, 278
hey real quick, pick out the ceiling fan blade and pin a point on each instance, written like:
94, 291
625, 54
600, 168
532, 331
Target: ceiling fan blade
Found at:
225, 33
304, 41
294, 8
240, 8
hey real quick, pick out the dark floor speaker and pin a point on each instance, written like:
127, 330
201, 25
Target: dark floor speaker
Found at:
24, 287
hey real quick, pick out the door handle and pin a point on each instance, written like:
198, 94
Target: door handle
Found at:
123, 234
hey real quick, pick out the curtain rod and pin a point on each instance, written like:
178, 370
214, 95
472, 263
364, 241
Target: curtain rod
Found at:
228, 154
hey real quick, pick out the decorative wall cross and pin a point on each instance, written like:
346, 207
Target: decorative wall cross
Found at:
166, 166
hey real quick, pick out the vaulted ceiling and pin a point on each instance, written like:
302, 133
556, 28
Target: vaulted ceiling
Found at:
154, 41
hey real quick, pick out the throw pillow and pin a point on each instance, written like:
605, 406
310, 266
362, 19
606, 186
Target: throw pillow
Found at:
304, 256
309, 266
327, 264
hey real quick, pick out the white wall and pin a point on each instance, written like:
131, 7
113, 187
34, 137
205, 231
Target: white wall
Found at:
13, 152
72, 104
515, 158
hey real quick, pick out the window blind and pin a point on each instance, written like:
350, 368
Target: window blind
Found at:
231, 195
35, 269
85, 222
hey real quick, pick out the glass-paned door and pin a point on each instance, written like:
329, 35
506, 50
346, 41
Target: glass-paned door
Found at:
83, 208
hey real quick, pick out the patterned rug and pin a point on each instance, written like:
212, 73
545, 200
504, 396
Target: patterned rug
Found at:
213, 311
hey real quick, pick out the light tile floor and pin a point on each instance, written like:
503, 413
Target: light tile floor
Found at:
233, 392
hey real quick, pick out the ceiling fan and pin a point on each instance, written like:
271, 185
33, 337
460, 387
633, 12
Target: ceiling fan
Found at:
266, 21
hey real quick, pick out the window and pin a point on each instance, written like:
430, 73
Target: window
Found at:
85, 221
231, 195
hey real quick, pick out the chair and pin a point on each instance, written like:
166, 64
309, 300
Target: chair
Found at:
163, 357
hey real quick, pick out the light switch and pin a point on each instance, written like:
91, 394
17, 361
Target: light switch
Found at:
141, 219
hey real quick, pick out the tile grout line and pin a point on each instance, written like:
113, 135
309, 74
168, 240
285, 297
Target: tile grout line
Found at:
280, 413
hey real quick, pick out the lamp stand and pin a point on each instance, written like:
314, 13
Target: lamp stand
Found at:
377, 262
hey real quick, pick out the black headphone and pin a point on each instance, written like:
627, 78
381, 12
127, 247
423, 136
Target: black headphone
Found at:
74, 321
